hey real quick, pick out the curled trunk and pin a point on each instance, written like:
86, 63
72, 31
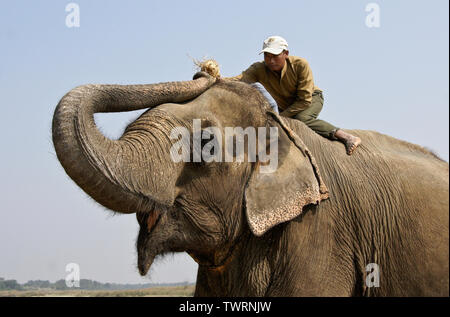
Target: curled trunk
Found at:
97, 163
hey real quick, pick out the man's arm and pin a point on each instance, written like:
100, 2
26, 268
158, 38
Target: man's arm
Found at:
305, 89
250, 75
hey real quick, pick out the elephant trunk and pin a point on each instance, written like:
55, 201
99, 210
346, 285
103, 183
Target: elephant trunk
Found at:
102, 167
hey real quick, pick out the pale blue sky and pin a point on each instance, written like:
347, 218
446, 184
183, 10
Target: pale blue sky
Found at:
393, 79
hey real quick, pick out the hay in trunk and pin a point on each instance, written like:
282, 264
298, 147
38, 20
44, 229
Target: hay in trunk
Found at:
209, 66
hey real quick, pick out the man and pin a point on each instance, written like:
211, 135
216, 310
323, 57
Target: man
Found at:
289, 80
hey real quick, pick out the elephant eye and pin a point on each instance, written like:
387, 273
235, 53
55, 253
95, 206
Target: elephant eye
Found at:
204, 142
201, 153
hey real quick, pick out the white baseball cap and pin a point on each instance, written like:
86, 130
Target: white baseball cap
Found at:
274, 45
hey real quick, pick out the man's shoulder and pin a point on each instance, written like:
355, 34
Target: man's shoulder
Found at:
254, 69
257, 66
297, 61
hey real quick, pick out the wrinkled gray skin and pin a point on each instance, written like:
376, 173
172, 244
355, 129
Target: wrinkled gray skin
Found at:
255, 235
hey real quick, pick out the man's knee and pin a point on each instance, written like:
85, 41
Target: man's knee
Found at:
306, 118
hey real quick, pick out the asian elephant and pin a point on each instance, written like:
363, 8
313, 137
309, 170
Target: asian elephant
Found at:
322, 224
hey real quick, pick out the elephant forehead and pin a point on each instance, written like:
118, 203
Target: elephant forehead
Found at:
217, 113
224, 105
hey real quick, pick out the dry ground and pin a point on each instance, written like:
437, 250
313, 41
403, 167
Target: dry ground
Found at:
179, 291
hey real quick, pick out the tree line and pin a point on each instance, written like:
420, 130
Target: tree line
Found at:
85, 284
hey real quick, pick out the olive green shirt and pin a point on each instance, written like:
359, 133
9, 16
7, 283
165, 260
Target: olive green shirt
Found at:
292, 90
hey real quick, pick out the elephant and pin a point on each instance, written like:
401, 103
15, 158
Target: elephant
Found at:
322, 224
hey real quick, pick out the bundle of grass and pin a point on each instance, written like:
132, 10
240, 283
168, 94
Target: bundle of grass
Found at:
209, 66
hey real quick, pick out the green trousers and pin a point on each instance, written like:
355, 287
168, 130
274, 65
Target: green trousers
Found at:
310, 114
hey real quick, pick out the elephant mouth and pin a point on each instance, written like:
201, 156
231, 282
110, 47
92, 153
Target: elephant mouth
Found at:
153, 219
144, 266
146, 254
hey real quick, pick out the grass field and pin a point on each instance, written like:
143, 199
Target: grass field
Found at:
178, 291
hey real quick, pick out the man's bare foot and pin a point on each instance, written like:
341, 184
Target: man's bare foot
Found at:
351, 142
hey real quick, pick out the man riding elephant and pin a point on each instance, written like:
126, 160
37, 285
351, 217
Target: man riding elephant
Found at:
315, 226
287, 82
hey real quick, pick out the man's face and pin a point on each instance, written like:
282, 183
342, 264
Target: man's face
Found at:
275, 62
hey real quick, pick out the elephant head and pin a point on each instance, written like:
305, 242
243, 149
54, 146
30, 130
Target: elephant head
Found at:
198, 206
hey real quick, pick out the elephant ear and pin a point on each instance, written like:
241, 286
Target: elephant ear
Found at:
279, 196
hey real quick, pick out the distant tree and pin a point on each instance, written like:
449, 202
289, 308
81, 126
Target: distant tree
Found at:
38, 284
60, 285
85, 284
10, 285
